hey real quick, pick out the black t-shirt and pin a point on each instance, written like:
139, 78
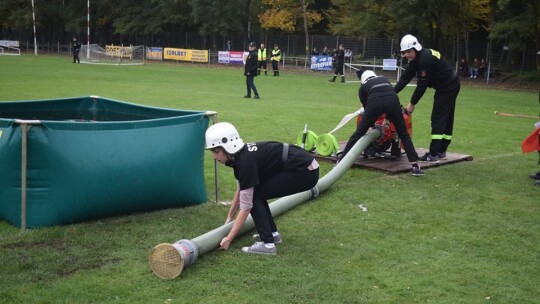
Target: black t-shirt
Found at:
257, 162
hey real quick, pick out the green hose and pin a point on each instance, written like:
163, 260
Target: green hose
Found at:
327, 144
311, 140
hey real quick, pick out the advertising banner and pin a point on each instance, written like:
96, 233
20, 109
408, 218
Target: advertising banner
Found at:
389, 64
321, 63
231, 57
186, 55
118, 51
154, 53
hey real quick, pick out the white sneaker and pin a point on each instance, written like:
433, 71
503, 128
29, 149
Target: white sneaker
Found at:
260, 248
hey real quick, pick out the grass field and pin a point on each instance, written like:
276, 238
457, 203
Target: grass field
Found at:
464, 233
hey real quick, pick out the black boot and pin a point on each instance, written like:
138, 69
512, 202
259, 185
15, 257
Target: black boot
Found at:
333, 79
265, 73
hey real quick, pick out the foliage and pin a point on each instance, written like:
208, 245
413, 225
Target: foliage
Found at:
464, 233
15, 14
362, 18
218, 17
286, 15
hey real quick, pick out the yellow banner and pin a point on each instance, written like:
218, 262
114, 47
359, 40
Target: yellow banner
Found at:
118, 51
186, 55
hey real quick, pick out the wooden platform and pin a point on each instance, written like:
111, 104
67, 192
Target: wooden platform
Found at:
394, 166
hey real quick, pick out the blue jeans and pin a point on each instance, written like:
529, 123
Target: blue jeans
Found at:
251, 85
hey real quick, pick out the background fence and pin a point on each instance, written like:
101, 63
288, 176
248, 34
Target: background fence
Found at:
293, 47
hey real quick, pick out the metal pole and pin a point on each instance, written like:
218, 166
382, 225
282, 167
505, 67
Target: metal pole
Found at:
216, 167
88, 35
24, 145
34, 21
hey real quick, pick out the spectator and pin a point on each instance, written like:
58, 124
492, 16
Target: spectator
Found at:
482, 68
474, 69
228, 46
315, 52
325, 52
463, 68
348, 55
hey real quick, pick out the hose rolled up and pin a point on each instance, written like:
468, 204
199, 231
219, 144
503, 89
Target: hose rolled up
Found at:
327, 144
311, 140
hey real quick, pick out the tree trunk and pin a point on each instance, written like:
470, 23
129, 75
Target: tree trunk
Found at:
304, 11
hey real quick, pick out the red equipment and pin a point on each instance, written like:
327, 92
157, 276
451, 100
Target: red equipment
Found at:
389, 138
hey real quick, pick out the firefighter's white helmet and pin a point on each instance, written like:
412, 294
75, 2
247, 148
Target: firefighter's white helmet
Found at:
224, 135
408, 42
368, 74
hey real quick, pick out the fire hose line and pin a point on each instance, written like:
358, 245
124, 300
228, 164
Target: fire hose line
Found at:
311, 140
168, 260
327, 144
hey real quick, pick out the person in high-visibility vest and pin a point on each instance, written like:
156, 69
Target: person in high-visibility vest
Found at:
261, 56
276, 57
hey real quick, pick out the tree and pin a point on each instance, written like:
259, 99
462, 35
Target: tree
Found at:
369, 18
517, 23
216, 17
287, 15
14, 15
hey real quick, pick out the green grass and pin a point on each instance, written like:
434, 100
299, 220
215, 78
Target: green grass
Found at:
464, 233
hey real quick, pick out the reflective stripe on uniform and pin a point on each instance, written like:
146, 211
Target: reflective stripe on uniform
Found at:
441, 136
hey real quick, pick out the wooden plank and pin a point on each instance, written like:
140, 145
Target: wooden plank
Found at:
394, 166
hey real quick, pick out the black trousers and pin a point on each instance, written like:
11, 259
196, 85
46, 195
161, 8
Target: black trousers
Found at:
275, 65
375, 107
76, 57
281, 184
261, 64
339, 69
442, 118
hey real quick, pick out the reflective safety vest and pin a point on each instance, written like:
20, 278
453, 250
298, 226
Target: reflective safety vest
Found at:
261, 55
276, 55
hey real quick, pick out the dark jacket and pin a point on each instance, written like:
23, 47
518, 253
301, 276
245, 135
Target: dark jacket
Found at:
251, 64
76, 47
432, 71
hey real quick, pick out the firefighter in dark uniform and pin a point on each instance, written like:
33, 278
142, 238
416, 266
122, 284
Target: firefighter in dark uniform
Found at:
250, 71
261, 56
75, 49
434, 72
340, 61
276, 57
377, 97
263, 170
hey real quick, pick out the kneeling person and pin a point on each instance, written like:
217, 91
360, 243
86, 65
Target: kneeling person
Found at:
263, 170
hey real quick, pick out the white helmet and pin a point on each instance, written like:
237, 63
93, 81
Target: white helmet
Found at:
408, 42
367, 75
224, 135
